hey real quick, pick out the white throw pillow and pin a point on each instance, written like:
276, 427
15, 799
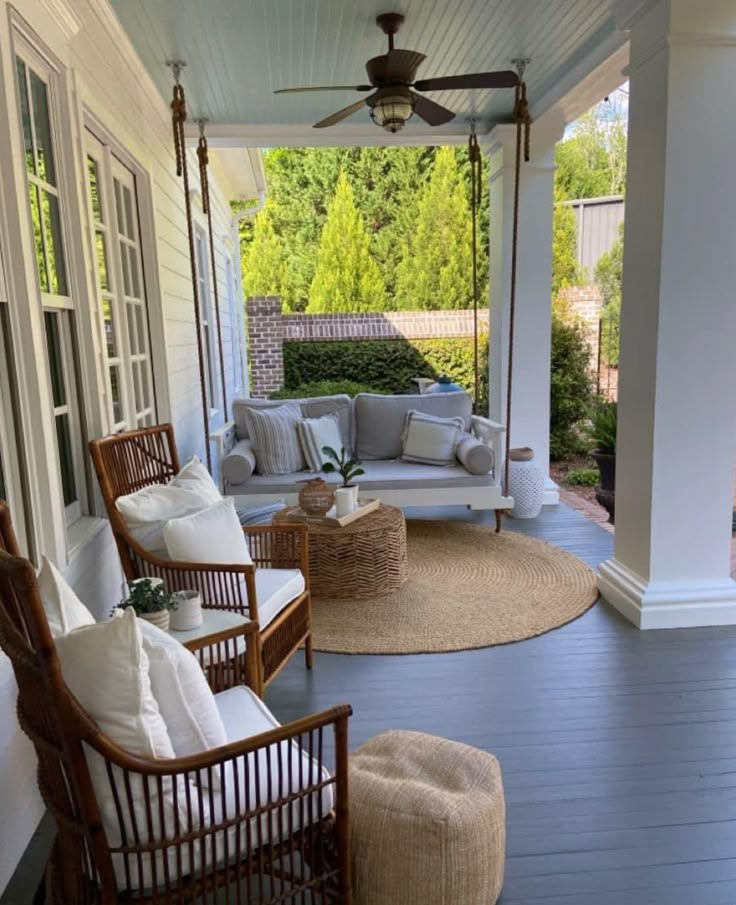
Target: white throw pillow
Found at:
147, 510
430, 440
185, 700
107, 670
314, 433
64, 610
213, 535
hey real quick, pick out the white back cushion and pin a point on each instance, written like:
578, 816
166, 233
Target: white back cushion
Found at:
107, 670
185, 700
213, 535
64, 610
147, 510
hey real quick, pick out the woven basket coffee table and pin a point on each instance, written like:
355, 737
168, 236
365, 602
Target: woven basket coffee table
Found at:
366, 558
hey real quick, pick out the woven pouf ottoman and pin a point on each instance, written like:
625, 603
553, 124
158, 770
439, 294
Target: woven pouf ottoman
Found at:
428, 822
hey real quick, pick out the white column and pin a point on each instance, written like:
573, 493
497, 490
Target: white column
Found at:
677, 404
532, 323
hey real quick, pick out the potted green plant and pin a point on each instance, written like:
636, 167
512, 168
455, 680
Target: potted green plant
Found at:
602, 434
150, 600
347, 466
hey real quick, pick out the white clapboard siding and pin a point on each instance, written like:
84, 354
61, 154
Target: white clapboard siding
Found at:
105, 78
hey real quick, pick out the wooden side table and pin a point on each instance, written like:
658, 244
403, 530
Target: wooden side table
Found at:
225, 650
366, 558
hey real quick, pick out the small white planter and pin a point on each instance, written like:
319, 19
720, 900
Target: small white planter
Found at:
354, 488
160, 619
343, 501
188, 613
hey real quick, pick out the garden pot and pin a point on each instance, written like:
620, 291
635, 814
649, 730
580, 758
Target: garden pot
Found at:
354, 488
188, 613
606, 493
160, 619
344, 503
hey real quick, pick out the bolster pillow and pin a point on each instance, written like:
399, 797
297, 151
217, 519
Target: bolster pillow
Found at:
240, 463
474, 455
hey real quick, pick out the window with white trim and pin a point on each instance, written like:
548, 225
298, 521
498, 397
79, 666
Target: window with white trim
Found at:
236, 317
115, 230
35, 92
205, 307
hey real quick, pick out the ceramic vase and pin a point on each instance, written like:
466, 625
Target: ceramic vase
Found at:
188, 612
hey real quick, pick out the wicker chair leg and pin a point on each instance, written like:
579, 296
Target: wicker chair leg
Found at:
308, 654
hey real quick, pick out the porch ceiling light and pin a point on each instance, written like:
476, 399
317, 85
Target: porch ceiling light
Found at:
392, 109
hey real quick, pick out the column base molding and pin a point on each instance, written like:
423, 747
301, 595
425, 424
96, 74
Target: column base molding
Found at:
551, 493
667, 604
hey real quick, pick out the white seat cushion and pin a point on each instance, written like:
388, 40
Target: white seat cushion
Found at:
244, 715
64, 610
275, 588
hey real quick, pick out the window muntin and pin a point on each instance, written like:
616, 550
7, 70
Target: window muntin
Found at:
41, 157
113, 206
43, 190
205, 308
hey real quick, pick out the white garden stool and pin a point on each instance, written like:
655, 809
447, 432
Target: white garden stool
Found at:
526, 483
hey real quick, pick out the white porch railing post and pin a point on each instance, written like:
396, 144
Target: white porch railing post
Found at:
531, 387
677, 409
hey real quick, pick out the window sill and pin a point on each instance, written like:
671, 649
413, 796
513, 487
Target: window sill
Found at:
81, 532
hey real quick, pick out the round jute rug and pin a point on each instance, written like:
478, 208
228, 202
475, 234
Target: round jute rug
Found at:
468, 587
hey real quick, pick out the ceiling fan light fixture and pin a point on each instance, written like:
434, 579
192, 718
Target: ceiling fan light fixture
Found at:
392, 111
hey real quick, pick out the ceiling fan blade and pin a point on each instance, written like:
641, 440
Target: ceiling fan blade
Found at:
340, 115
430, 112
325, 88
504, 79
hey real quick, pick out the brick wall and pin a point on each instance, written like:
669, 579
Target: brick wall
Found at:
268, 329
586, 302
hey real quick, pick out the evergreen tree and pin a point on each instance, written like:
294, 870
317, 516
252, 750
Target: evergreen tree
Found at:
565, 270
264, 268
346, 278
435, 270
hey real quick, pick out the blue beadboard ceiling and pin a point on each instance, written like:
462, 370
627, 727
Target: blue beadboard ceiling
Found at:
239, 51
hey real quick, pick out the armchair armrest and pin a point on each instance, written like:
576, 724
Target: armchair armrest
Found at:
243, 804
225, 662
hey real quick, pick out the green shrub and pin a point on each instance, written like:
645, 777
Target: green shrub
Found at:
324, 388
386, 366
572, 389
603, 428
582, 477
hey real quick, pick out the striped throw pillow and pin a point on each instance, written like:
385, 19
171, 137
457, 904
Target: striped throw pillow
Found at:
314, 433
275, 440
430, 440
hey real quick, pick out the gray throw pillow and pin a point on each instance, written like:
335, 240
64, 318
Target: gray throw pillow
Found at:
476, 457
273, 433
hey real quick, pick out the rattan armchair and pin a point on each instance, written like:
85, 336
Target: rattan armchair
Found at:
215, 845
127, 462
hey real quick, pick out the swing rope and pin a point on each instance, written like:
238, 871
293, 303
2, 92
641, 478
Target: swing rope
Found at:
178, 118
476, 176
203, 157
523, 121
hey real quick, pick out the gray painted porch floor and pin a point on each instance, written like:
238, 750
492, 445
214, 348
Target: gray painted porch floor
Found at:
618, 747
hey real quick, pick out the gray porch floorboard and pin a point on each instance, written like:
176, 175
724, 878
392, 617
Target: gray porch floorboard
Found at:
618, 747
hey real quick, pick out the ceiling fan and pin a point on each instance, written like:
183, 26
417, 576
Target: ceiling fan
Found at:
391, 77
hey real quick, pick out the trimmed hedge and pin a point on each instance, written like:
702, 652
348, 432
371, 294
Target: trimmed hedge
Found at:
387, 364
